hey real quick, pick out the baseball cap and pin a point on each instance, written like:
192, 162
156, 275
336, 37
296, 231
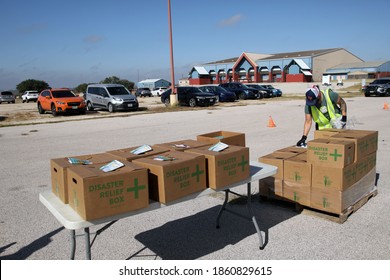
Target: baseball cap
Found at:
311, 96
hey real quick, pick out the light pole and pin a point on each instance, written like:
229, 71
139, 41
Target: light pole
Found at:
173, 98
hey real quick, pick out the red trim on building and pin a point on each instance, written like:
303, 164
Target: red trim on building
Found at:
297, 78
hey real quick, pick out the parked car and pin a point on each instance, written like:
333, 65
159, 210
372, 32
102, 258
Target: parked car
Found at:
7, 96
265, 93
60, 100
242, 91
111, 97
379, 87
158, 91
143, 92
30, 95
189, 96
275, 91
222, 94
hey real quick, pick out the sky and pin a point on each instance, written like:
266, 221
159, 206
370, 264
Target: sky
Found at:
67, 43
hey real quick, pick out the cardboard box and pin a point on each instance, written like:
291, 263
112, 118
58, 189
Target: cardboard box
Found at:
297, 173
125, 154
364, 165
181, 145
277, 159
296, 194
333, 178
170, 180
271, 187
335, 201
330, 152
293, 149
366, 142
58, 170
95, 194
326, 133
227, 137
297, 179
226, 167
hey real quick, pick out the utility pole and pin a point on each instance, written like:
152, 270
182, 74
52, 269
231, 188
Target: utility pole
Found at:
173, 98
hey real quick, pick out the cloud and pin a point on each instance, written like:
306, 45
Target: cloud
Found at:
93, 39
230, 21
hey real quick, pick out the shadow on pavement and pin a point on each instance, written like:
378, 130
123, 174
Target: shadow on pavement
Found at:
30, 249
196, 236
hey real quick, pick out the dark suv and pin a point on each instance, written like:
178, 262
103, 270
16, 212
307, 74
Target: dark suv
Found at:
242, 91
379, 87
143, 92
189, 96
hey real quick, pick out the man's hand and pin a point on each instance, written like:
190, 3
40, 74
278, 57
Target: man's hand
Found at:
302, 142
343, 122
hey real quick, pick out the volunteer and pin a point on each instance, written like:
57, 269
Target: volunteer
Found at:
326, 108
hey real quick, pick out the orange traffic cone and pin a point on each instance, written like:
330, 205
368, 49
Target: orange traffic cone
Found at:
386, 106
271, 122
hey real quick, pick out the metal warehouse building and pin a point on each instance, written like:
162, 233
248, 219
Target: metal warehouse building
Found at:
302, 66
359, 70
153, 83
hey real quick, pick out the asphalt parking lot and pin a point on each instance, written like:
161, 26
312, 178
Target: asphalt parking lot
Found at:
28, 231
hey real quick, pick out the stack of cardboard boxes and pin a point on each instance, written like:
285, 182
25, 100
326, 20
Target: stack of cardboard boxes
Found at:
163, 172
337, 169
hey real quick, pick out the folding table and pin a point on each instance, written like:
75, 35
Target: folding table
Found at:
72, 221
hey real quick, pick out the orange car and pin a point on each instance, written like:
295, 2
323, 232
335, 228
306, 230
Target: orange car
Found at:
60, 100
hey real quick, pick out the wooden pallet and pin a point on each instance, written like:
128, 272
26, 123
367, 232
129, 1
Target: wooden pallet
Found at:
338, 218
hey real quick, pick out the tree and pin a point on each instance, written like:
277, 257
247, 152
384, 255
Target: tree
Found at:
81, 88
115, 80
32, 84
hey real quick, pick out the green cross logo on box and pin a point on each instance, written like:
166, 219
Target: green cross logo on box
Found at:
335, 155
325, 202
296, 197
297, 177
243, 163
327, 181
136, 188
197, 173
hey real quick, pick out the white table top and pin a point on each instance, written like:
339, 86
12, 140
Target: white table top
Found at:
71, 220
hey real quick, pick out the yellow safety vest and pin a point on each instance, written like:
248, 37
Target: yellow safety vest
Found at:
318, 116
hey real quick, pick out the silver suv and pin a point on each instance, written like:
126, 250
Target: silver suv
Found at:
7, 96
112, 97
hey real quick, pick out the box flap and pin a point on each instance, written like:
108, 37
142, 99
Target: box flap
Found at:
178, 158
93, 170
